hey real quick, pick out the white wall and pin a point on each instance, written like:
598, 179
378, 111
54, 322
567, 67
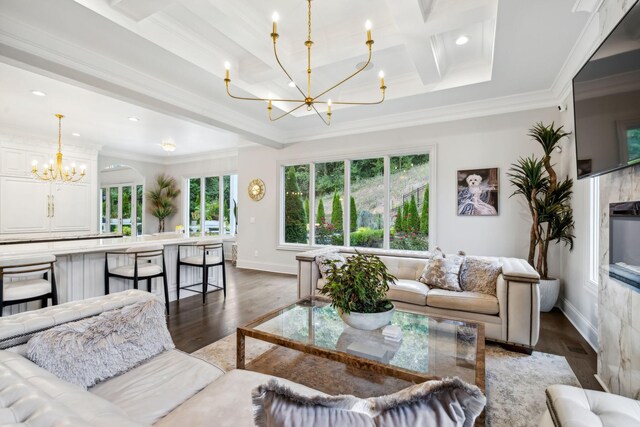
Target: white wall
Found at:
494, 141
578, 296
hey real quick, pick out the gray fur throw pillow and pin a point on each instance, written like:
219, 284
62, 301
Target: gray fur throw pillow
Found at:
445, 403
443, 271
479, 275
324, 262
94, 349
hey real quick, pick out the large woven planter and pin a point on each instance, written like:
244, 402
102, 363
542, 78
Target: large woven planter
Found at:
549, 291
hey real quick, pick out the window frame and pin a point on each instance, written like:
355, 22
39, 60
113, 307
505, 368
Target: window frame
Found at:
233, 184
430, 150
594, 230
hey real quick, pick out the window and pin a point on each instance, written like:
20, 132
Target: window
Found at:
377, 202
210, 211
329, 196
121, 209
296, 202
594, 229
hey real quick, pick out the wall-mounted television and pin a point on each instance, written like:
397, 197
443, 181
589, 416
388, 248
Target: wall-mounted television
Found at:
606, 101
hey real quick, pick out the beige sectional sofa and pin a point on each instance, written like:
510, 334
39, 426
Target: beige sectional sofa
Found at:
171, 389
512, 316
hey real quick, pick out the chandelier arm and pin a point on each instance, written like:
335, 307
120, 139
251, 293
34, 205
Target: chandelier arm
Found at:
261, 99
319, 115
349, 77
285, 114
275, 53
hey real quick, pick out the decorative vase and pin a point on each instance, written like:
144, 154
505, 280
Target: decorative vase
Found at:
549, 291
367, 321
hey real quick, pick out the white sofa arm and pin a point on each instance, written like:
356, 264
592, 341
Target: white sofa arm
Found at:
519, 301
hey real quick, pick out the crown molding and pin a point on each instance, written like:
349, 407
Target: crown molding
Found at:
469, 110
170, 159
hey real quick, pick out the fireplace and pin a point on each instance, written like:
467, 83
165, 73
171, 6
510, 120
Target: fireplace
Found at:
624, 242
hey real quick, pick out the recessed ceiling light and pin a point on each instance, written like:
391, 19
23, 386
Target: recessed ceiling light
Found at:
38, 93
292, 84
75, 134
462, 40
134, 119
361, 64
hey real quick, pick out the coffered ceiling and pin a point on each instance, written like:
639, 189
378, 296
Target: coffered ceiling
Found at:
167, 56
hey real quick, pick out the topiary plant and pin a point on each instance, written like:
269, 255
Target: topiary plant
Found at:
360, 284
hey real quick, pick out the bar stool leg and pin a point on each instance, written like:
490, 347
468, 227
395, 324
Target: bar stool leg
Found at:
178, 278
165, 284
106, 276
149, 284
205, 282
54, 287
224, 280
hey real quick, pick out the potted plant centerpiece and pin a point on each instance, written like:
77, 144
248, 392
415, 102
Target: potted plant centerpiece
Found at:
549, 203
358, 290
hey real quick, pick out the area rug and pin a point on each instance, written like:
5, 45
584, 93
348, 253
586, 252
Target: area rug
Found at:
515, 382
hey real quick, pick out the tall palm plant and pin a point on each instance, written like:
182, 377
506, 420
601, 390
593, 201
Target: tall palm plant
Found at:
548, 201
162, 198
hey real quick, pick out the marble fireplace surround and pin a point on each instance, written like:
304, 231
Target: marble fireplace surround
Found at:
618, 303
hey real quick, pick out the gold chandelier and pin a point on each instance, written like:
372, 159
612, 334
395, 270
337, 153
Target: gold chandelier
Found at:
307, 99
58, 172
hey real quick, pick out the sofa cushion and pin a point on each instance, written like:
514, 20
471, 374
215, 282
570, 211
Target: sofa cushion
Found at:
325, 264
443, 272
409, 291
445, 403
474, 302
153, 389
228, 399
91, 350
480, 275
404, 268
573, 406
35, 397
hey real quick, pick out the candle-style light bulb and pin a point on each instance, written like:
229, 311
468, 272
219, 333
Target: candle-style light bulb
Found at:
275, 17
227, 67
367, 26
381, 75
34, 166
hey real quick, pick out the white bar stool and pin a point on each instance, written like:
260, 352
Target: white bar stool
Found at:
30, 288
143, 268
212, 256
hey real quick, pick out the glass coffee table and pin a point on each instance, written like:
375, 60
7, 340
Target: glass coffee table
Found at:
431, 347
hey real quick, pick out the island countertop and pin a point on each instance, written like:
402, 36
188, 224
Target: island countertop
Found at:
70, 247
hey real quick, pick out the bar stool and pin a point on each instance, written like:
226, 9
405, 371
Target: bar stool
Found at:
142, 268
204, 261
25, 287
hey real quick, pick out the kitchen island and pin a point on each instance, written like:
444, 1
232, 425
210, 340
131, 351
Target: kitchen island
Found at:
80, 264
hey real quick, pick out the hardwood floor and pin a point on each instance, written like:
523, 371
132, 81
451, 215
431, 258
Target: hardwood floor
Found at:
252, 293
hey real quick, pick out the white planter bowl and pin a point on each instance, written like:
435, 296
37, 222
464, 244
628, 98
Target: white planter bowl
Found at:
367, 321
549, 291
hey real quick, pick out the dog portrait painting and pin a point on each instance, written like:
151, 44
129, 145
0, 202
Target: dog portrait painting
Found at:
478, 192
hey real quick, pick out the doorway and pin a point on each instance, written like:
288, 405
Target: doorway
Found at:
121, 209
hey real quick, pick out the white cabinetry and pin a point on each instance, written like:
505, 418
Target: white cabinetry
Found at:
28, 205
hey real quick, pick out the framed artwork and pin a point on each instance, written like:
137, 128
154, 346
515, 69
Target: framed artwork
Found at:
478, 192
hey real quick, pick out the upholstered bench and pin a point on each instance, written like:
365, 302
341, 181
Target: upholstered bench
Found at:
575, 407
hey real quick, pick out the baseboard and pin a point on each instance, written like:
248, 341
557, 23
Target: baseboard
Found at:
584, 327
268, 266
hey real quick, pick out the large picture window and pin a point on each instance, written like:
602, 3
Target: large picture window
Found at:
377, 202
211, 205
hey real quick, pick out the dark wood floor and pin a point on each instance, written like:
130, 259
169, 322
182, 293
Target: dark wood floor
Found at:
253, 293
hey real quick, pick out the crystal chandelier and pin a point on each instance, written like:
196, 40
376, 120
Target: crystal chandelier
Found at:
307, 99
58, 172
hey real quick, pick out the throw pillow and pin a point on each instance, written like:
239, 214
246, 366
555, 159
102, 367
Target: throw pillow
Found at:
324, 262
479, 275
448, 402
91, 350
443, 272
